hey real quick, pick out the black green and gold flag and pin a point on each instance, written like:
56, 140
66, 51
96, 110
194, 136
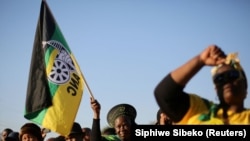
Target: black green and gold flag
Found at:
55, 84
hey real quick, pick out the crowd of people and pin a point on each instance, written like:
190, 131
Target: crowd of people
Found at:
176, 106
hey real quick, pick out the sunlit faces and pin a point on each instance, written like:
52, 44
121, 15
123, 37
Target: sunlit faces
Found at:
123, 127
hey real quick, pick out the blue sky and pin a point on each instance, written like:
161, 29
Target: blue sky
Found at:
124, 48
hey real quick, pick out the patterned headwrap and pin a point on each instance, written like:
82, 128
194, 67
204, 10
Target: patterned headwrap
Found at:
232, 60
120, 110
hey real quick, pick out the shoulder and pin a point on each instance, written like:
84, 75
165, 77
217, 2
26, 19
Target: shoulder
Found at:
247, 111
194, 98
198, 105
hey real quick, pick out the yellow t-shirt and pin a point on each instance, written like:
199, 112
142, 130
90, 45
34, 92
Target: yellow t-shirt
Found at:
198, 107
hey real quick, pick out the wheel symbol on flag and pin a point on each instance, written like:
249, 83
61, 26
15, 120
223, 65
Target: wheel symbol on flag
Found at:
60, 72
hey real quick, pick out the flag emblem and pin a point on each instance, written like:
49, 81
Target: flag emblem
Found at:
63, 65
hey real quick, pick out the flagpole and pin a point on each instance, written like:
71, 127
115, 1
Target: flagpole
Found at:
90, 92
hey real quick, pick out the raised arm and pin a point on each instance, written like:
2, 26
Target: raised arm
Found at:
169, 92
96, 130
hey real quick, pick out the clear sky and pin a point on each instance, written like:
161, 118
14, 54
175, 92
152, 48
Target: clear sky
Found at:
124, 48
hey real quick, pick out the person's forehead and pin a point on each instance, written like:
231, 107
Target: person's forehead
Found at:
4, 133
28, 135
122, 119
224, 68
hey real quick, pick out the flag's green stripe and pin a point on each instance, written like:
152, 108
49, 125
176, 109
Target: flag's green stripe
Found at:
37, 116
53, 87
59, 37
49, 50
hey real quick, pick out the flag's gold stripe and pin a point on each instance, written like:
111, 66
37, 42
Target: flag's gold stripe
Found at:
64, 103
52, 57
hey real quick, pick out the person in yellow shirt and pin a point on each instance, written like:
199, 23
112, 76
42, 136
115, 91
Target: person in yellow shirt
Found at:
230, 84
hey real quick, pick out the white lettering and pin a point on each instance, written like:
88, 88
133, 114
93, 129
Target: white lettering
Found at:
182, 132
150, 132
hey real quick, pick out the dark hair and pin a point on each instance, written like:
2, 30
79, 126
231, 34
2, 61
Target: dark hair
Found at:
59, 138
8, 130
13, 136
158, 116
76, 128
86, 130
245, 78
31, 128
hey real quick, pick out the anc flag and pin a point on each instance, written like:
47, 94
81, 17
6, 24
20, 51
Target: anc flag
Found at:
55, 84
